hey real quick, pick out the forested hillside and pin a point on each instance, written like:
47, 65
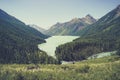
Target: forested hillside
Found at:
18, 42
107, 26
104, 35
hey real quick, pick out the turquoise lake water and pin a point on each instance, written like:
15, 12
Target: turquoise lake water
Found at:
52, 42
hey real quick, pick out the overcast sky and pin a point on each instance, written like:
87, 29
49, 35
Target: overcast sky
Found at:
46, 13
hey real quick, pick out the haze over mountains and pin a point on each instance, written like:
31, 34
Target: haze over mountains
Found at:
71, 27
40, 29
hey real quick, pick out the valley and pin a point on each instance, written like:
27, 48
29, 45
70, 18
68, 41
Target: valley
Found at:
78, 47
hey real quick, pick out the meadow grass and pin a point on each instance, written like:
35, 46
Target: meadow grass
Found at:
107, 68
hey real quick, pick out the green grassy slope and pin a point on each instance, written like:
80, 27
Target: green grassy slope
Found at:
97, 69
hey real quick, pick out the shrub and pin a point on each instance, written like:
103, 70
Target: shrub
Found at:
83, 69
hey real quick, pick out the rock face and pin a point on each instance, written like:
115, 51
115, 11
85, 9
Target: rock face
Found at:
71, 27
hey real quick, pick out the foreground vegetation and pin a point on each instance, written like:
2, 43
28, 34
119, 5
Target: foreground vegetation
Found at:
106, 68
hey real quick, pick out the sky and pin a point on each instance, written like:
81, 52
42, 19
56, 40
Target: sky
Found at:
46, 13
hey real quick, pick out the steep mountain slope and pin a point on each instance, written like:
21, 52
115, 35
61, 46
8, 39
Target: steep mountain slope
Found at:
102, 36
108, 25
17, 40
38, 28
71, 27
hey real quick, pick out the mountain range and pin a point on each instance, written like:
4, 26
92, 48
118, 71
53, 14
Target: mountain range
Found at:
89, 25
101, 36
71, 27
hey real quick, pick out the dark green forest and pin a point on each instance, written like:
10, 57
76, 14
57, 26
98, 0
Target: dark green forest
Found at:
82, 48
19, 42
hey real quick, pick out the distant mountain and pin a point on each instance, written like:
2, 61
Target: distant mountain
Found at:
71, 27
108, 25
17, 40
37, 28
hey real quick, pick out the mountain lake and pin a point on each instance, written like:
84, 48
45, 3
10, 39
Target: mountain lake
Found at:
52, 42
